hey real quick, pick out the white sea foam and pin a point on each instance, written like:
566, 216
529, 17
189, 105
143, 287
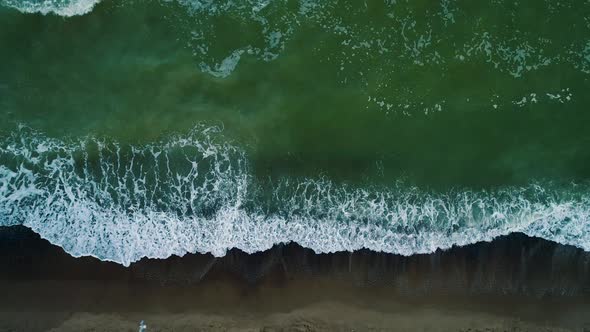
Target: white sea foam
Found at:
226, 67
195, 193
59, 7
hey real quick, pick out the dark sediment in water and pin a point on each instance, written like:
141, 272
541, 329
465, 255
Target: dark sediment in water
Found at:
513, 283
514, 264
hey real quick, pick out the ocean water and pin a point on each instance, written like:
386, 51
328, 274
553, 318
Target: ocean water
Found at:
133, 129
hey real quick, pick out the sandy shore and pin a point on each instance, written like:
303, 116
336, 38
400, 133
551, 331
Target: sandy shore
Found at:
223, 305
319, 317
512, 284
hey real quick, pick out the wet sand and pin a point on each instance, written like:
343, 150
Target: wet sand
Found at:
515, 283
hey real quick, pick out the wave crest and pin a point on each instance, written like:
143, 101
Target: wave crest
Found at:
195, 193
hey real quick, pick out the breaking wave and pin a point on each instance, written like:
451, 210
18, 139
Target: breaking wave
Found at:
196, 193
59, 7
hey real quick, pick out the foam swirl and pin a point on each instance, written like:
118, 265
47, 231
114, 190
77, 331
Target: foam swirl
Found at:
195, 193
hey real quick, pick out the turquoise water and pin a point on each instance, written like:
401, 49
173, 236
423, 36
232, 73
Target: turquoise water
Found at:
151, 128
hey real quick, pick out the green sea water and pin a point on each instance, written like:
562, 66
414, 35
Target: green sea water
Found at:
447, 96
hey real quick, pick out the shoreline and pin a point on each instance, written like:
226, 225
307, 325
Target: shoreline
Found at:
514, 282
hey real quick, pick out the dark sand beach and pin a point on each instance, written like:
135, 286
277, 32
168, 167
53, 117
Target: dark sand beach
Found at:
514, 283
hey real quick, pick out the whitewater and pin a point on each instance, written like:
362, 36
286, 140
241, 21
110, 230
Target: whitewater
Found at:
66, 8
194, 193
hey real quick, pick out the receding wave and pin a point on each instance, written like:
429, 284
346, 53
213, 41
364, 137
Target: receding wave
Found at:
195, 193
58, 7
